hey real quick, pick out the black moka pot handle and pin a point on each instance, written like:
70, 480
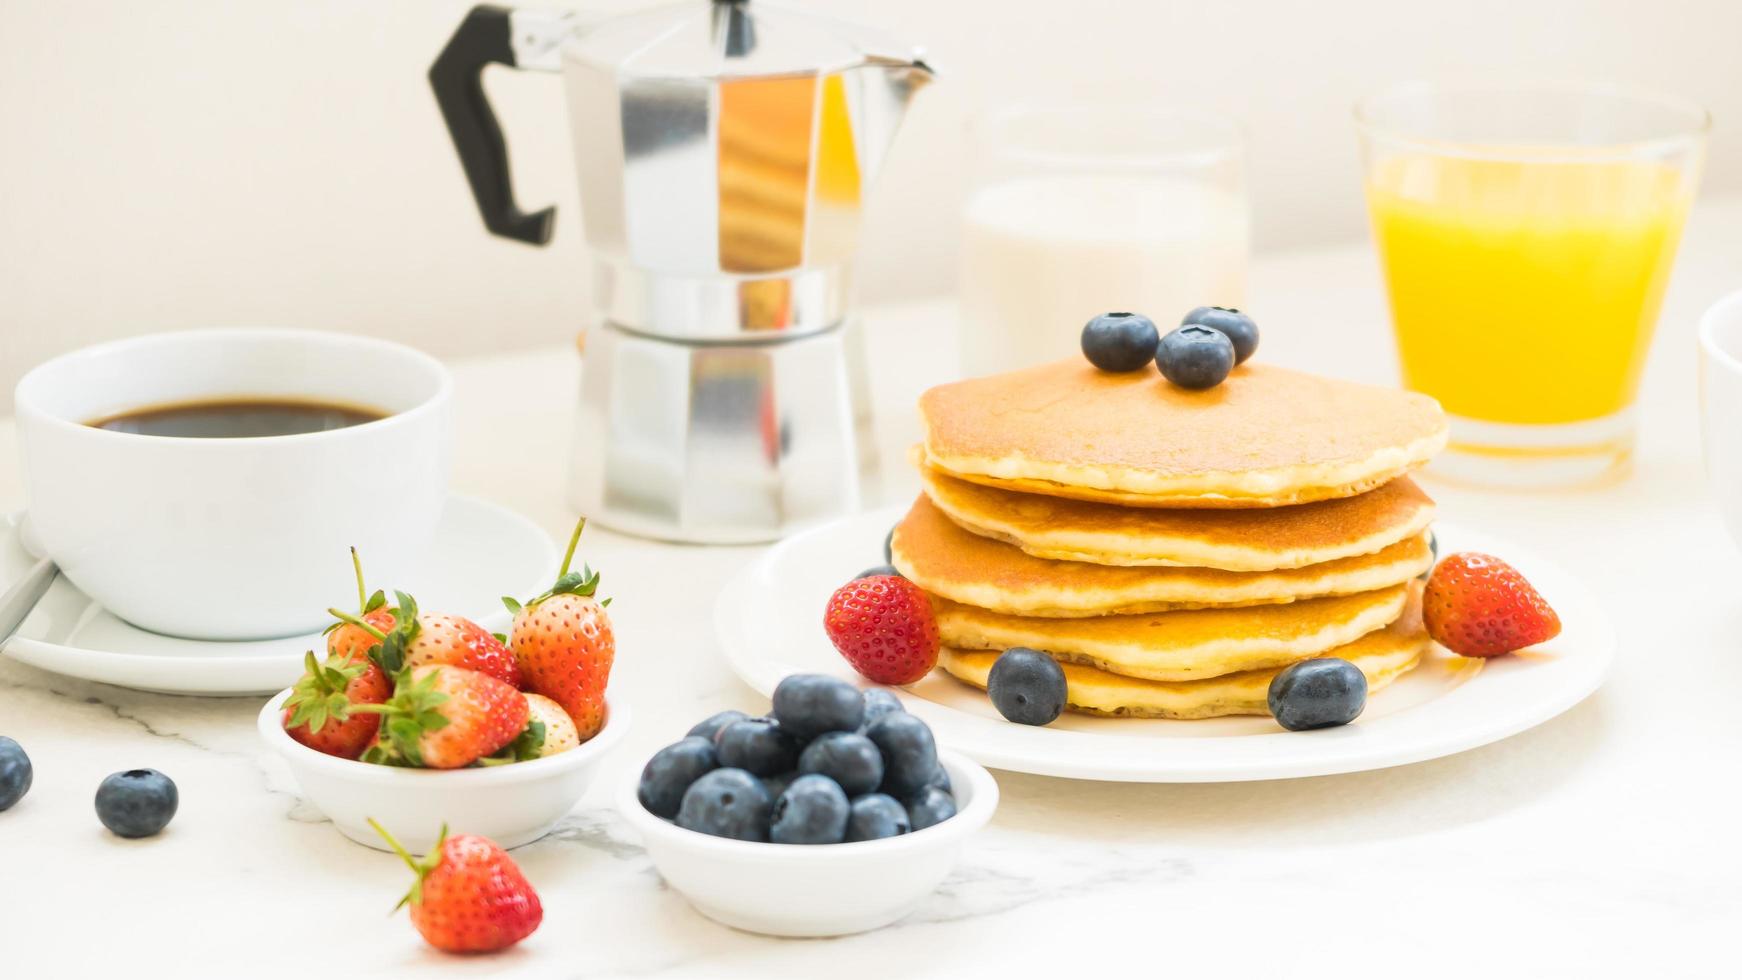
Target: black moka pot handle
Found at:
457, 76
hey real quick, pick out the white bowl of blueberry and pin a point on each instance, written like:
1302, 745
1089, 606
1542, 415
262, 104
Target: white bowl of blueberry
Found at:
835, 814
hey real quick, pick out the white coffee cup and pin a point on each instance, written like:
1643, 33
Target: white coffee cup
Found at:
234, 538
1721, 405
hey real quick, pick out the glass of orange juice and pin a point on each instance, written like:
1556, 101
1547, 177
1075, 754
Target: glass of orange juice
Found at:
1526, 236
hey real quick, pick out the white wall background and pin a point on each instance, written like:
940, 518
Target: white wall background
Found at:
167, 163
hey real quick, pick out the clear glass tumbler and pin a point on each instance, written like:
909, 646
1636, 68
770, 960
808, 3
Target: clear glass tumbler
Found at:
1526, 236
1080, 209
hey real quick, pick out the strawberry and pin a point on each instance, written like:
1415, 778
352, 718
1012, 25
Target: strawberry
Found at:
444, 717
884, 627
469, 896
1479, 606
565, 645
558, 732
318, 712
420, 639
349, 641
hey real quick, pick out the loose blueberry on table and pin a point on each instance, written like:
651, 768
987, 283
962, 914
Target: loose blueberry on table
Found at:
1195, 356
1239, 327
1120, 342
1027, 686
136, 803
830, 765
15, 772
1320, 693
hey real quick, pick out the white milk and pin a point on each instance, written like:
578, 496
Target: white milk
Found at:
1041, 255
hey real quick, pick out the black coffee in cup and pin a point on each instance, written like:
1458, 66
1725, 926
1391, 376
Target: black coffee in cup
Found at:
238, 418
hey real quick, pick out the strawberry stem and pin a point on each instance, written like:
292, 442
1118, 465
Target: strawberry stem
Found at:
362, 593
574, 540
358, 622
430, 862
393, 842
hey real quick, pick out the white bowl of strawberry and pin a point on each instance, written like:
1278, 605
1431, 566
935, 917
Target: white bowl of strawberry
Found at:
418, 719
835, 814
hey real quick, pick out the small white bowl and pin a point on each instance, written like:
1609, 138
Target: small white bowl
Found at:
814, 890
512, 805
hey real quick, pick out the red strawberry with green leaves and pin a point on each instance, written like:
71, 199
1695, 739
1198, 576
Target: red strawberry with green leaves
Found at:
352, 641
319, 713
565, 645
443, 717
420, 639
556, 730
470, 896
1479, 606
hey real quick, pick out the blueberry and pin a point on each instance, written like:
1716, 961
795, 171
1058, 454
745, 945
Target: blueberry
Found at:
757, 745
1240, 328
1120, 341
910, 754
878, 570
726, 803
813, 810
1318, 694
15, 773
849, 759
942, 781
776, 785
878, 702
671, 771
1196, 356
136, 803
808, 705
1027, 686
930, 807
710, 727
889, 547
875, 816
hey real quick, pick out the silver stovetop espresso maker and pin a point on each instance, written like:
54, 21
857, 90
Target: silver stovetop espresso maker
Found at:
724, 148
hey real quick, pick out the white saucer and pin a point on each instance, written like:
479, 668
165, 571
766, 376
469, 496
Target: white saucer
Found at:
483, 552
769, 623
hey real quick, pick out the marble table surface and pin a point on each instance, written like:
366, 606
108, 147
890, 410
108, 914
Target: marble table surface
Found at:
1603, 843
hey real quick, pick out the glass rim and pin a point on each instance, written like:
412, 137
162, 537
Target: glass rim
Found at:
1230, 141
1699, 121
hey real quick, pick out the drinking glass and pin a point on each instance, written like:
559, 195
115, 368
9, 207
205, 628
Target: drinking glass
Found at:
1526, 235
1081, 209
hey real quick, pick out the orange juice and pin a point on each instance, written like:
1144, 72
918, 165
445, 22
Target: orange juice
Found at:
1525, 291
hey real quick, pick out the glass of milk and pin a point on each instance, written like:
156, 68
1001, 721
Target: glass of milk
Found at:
1081, 209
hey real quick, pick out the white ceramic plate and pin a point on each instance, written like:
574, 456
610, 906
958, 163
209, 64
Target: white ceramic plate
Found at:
482, 553
769, 623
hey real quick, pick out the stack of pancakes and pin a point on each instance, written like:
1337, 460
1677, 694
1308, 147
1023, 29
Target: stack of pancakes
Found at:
1173, 549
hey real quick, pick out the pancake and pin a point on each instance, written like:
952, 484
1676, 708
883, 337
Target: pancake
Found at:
1383, 656
942, 558
1181, 646
1236, 540
1265, 437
